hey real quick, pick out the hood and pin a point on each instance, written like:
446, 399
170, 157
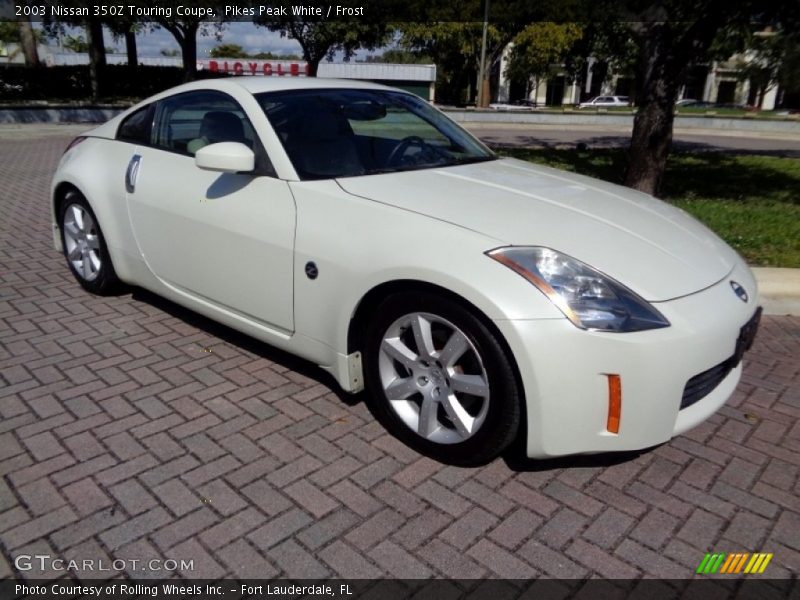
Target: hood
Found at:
655, 249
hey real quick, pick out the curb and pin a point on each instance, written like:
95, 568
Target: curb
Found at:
779, 290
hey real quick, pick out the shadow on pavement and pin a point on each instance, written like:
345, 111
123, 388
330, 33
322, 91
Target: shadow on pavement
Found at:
247, 343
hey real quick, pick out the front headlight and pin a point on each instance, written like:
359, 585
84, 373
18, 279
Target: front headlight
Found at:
588, 298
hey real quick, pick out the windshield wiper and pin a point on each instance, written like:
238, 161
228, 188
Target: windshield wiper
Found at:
468, 160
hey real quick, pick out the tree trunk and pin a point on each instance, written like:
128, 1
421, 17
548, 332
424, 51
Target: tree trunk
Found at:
97, 55
313, 65
486, 92
660, 78
189, 52
28, 42
130, 48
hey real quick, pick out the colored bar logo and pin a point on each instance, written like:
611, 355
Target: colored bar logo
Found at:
734, 563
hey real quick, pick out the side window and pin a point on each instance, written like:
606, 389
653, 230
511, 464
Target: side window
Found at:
187, 122
135, 128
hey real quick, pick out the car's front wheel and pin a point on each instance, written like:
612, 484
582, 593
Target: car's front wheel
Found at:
84, 246
439, 380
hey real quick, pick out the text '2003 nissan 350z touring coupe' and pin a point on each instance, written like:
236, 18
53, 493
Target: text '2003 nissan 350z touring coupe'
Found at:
478, 299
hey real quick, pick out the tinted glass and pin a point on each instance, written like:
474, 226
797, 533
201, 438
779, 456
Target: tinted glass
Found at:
136, 127
342, 133
187, 122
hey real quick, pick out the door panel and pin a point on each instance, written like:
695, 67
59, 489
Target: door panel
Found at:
227, 239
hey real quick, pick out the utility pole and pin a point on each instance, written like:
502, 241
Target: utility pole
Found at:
482, 66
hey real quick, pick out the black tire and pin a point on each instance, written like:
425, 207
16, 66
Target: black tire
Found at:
99, 279
501, 419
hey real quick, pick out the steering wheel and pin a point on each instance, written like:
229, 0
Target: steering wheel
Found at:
400, 150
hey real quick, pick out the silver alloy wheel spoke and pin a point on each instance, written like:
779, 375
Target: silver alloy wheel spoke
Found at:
458, 415
74, 253
441, 390
82, 242
423, 336
469, 384
399, 352
72, 228
86, 263
401, 388
428, 422
453, 349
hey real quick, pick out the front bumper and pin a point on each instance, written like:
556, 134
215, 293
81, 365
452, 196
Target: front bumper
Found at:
564, 372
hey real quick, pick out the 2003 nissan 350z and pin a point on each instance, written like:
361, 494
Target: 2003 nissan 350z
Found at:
479, 299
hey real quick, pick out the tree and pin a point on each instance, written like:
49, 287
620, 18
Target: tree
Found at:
95, 46
453, 32
538, 47
400, 56
228, 51
185, 30
127, 28
27, 40
767, 59
323, 39
670, 37
75, 43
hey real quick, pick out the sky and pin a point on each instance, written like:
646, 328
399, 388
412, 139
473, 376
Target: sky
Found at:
253, 39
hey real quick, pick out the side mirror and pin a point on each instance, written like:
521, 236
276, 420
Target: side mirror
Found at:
227, 157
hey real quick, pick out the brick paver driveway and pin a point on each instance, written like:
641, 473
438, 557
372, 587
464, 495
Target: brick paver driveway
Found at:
131, 429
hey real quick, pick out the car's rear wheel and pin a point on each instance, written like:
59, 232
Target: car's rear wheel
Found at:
85, 247
439, 379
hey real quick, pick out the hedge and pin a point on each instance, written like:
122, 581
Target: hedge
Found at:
72, 82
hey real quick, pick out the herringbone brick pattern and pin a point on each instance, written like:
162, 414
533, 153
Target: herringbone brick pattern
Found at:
131, 429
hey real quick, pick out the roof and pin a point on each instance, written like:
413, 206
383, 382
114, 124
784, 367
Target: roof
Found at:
257, 85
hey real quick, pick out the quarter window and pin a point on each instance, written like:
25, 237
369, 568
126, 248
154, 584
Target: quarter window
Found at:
135, 128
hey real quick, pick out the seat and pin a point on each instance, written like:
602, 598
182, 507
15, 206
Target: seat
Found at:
323, 146
217, 126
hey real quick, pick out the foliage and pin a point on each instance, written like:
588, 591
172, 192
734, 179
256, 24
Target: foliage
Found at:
323, 39
401, 57
236, 51
748, 200
228, 51
9, 32
72, 83
75, 43
539, 46
771, 58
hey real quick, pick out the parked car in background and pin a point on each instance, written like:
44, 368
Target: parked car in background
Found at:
690, 103
606, 102
477, 298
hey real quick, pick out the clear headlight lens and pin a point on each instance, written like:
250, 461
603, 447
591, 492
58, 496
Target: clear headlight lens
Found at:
587, 297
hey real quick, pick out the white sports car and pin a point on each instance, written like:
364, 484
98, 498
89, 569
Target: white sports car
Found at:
480, 300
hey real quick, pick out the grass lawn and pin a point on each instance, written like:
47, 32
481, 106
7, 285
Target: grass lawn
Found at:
752, 202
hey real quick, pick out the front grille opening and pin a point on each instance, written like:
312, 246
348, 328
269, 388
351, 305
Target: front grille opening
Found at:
702, 384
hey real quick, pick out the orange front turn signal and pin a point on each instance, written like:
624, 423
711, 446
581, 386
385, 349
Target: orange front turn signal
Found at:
614, 403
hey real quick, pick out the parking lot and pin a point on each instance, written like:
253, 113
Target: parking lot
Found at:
131, 429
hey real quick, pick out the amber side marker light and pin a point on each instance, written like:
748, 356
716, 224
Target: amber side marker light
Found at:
614, 403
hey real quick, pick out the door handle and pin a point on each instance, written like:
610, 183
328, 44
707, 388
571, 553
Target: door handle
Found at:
132, 173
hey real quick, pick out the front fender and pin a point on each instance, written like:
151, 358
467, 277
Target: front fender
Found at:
359, 244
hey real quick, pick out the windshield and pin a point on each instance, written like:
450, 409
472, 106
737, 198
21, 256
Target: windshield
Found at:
343, 133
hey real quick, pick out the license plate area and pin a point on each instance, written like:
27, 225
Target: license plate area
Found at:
746, 336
